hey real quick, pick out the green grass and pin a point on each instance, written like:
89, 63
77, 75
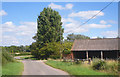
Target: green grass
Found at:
13, 68
29, 57
74, 69
0, 70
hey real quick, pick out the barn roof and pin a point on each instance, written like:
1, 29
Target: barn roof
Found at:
95, 44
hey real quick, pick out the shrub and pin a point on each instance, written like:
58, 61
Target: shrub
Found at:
66, 51
6, 57
112, 66
118, 64
49, 50
54, 56
98, 64
77, 61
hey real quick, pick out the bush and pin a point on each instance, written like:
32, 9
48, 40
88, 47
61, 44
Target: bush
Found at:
54, 56
49, 50
6, 57
98, 64
77, 61
118, 64
66, 51
112, 66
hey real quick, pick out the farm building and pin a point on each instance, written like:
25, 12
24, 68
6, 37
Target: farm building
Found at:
95, 48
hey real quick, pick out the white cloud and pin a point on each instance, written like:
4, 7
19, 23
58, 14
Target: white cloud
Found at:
86, 14
9, 40
73, 26
68, 20
2, 13
97, 26
110, 34
55, 6
76, 28
8, 27
93, 37
69, 6
26, 30
103, 22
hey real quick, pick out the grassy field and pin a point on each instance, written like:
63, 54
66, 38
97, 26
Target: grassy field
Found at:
74, 69
13, 68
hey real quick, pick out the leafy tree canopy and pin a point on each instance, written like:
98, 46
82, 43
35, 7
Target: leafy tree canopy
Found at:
72, 37
67, 47
49, 34
49, 27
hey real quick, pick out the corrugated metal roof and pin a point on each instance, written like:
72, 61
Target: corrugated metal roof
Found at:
95, 44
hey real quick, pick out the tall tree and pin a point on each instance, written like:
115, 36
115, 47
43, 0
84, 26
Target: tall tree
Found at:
49, 33
72, 37
49, 27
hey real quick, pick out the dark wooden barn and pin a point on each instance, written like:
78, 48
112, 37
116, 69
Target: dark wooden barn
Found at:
95, 48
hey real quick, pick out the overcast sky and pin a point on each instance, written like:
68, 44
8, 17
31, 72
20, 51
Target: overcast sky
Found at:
19, 20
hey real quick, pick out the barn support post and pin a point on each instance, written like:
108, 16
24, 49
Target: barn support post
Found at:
101, 55
87, 55
72, 55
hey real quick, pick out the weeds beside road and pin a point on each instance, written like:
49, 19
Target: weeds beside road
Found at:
9, 65
73, 69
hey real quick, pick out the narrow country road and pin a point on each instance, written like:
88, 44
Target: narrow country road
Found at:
34, 67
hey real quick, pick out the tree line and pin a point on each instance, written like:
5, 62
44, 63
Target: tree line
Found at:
14, 49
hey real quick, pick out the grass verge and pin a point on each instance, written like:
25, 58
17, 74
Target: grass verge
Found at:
73, 69
13, 68
29, 57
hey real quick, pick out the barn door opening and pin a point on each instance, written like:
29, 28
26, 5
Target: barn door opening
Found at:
79, 54
94, 54
110, 54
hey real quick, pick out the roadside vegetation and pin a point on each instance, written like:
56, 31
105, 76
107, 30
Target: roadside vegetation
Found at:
109, 66
6, 58
74, 69
9, 65
79, 68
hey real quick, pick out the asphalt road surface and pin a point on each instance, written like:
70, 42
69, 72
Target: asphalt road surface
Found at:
37, 67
